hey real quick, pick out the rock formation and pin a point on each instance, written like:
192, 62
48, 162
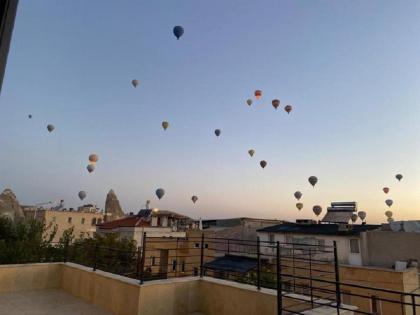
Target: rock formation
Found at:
113, 209
9, 205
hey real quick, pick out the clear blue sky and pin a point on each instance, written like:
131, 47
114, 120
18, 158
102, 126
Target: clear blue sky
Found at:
351, 69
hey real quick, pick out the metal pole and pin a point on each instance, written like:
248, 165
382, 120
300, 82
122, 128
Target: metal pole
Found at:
293, 270
95, 258
176, 257
279, 282
337, 279
228, 247
202, 256
413, 301
138, 262
143, 257
310, 278
258, 264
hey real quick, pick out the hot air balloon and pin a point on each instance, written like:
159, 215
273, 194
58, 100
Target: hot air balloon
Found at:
82, 195
251, 152
258, 94
275, 103
50, 128
299, 205
298, 195
399, 177
288, 108
385, 189
389, 214
30, 116
263, 163
165, 125
194, 199
90, 168
317, 210
93, 158
178, 31
390, 220
217, 132
362, 215
160, 193
135, 82
313, 180
354, 217
389, 202
249, 102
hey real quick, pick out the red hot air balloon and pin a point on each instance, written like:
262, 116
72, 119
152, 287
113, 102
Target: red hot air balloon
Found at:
288, 108
275, 103
385, 189
258, 94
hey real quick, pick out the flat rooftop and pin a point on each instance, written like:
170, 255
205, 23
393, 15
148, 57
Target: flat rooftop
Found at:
46, 302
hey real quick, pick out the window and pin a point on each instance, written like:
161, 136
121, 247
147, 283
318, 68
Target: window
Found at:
153, 260
183, 266
94, 221
69, 220
206, 245
271, 238
174, 265
354, 246
197, 245
195, 271
83, 220
375, 304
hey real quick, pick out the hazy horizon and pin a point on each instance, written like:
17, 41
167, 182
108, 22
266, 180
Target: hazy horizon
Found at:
349, 69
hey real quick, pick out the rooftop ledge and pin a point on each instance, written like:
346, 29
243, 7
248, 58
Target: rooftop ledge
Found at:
119, 295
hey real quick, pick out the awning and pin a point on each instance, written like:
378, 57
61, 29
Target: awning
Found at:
232, 263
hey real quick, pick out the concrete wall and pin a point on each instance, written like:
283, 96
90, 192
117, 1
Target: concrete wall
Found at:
29, 277
404, 245
116, 294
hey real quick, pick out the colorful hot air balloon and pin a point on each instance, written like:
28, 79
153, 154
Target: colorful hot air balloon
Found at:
354, 217
313, 180
288, 108
178, 31
50, 128
251, 152
399, 177
82, 195
298, 195
258, 94
90, 168
217, 132
275, 103
160, 193
249, 102
389, 202
362, 215
165, 125
317, 210
93, 158
385, 189
263, 164
299, 205
194, 199
389, 214
135, 82
30, 116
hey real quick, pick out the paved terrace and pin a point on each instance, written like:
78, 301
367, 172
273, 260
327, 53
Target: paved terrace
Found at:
46, 302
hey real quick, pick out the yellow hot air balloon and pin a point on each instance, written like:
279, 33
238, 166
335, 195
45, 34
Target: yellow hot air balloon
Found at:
165, 125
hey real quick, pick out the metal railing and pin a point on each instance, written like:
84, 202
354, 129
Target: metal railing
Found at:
311, 272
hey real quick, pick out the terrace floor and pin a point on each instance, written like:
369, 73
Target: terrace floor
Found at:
46, 302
